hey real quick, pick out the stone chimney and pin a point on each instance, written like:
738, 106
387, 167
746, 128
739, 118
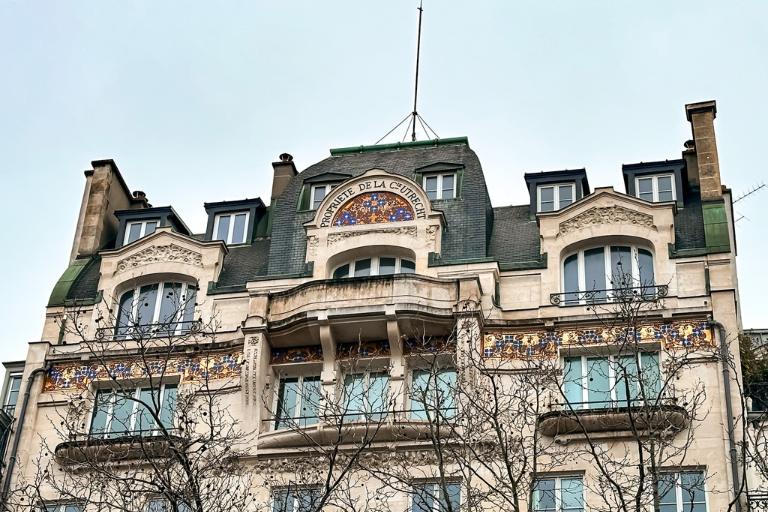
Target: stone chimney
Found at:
285, 170
105, 192
702, 118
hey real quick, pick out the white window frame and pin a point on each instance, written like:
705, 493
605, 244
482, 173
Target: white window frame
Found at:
679, 488
300, 399
439, 191
136, 395
375, 264
655, 185
60, 507
327, 186
556, 195
435, 494
183, 507
607, 255
585, 404
231, 231
143, 231
294, 492
559, 490
158, 302
367, 406
9, 388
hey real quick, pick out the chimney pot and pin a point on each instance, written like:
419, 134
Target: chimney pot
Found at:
689, 144
285, 157
139, 194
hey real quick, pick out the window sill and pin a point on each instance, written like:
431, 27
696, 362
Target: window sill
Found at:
665, 417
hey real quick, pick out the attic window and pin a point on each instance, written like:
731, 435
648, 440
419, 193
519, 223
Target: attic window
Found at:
231, 227
139, 229
440, 186
551, 198
319, 192
656, 189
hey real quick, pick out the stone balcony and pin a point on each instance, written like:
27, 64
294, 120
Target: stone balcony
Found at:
89, 449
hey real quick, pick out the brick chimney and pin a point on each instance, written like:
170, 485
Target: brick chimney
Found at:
285, 170
702, 118
105, 192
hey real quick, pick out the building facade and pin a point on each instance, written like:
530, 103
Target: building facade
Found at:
387, 339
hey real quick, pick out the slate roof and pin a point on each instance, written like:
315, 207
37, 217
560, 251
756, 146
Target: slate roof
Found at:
244, 263
689, 223
515, 241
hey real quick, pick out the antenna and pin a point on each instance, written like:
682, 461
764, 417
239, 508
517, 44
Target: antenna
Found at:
749, 192
413, 118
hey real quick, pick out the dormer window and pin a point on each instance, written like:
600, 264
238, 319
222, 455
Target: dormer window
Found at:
375, 266
656, 189
139, 229
440, 186
555, 197
319, 192
231, 227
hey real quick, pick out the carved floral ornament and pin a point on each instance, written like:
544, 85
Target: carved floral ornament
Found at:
533, 344
606, 215
334, 238
170, 253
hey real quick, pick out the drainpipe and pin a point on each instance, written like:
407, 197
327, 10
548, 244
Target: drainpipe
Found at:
729, 413
17, 437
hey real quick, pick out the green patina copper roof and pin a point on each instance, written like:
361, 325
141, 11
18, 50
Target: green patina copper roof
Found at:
61, 291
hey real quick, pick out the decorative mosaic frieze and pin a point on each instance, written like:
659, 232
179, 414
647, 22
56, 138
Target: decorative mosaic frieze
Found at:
606, 215
309, 354
363, 349
527, 343
334, 238
374, 208
79, 376
160, 254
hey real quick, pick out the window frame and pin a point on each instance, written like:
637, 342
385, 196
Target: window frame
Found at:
585, 403
231, 230
294, 492
185, 287
679, 505
12, 377
142, 231
60, 507
608, 266
327, 190
435, 391
559, 491
655, 186
439, 184
368, 412
108, 433
556, 196
375, 266
166, 505
279, 419
436, 494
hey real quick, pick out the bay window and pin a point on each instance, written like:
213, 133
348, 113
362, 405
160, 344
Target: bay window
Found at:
433, 393
129, 412
558, 494
611, 381
298, 401
157, 308
366, 396
598, 271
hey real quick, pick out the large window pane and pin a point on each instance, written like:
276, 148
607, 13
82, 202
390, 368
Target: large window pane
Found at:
310, 400
222, 233
566, 195
665, 188
572, 382
318, 195
354, 396
594, 272
287, 401
125, 314
14, 385
571, 278
692, 490
598, 382
134, 232
645, 267
147, 302
627, 386
423, 498
168, 406
645, 189
386, 266
544, 498
651, 375
419, 397
238, 231
363, 268
621, 267
282, 501
430, 185
448, 186
170, 307
450, 497
546, 199
122, 413
378, 395
150, 227
101, 408
571, 495
189, 306
446, 394
149, 399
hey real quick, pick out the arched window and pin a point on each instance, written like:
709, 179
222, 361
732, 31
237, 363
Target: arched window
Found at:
165, 308
598, 273
375, 266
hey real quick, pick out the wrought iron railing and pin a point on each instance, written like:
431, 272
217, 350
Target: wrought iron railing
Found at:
612, 405
625, 294
156, 330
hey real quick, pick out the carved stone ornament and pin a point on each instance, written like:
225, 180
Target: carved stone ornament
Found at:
606, 215
335, 238
432, 234
160, 254
312, 243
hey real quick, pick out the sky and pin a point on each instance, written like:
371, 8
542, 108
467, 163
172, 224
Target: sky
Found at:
194, 100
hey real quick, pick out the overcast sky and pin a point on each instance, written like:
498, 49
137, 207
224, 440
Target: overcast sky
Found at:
194, 100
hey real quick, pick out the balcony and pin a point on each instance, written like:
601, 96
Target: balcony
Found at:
147, 331
647, 293
137, 445
666, 416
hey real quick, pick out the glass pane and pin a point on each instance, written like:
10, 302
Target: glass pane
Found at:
430, 185
189, 307
354, 396
446, 386
645, 189
342, 271
407, 267
147, 302
310, 400
423, 498
447, 186
378, 395
571, 278
665, 188
621, 268
598, 382
667, 491
544, 499
645, 266
101, 411
13, 394
168, 406
170, 308
287, 400
150, 228
419, 397
238, 231
282, 501
222, 233
572, 382
318, 195
651, 375
363, 268
571, 494
594, 272
144, 422
73, 508
134, 232
692, 489
122, 411
566, 195
386, 266
627, 387
307, 500
125, 314
450, 497
546, 199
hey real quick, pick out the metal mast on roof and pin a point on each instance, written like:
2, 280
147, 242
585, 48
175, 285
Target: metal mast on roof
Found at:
413, 118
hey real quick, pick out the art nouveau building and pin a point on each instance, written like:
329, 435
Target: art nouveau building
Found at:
378, 245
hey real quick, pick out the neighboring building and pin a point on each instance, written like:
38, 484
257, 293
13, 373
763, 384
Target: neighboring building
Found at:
759, 339
381, 244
